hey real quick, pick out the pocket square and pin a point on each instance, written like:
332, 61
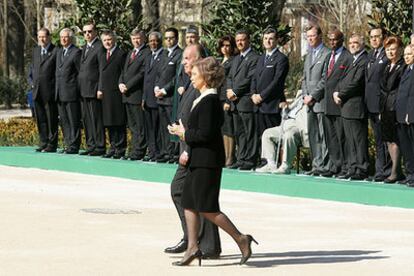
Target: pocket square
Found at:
381, 61
269, 66
171, 63
342, 67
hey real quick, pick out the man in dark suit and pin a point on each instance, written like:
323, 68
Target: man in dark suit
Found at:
67, 91
268, 83
149, 101
373, 74
313, 86
43, 75
209, 239
239, 93
350, 97
88, 82
164, 90
131, 84
337, 62
111, 63
404, 109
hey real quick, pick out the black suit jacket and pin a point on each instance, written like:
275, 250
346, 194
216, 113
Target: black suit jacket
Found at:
167, 75
331, 81
389, 85
43, 73
150, 75
113, 109
89, 70
240, 80
404, 103
222, 90
269, 81
133, 76
183, 111
351, 88
373, 75
204, 133
67, 70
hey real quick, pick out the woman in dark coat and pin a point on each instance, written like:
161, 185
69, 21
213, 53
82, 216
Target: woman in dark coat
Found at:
202, 183
227, 50
389, 87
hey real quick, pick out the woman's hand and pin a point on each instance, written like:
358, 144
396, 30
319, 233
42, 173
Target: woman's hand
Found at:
177, 129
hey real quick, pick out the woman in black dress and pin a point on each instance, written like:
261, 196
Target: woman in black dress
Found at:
227, 50
389, 87
206, 161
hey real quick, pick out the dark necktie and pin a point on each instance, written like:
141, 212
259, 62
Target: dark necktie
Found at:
375, 54
133, 55
108, 55
154, 56
331, 63
43, 54
87, 49
267, 59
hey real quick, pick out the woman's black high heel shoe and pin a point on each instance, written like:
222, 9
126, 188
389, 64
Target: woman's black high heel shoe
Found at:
246, 256
198, 254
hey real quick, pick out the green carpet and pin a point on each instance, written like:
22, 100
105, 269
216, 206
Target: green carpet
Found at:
289, 185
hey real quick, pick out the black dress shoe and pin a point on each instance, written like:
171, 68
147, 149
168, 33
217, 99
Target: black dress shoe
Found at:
379, 178
118, 156
108, 155
403, 181
162, 160
410, 183
40, 149
72, 151
48, 149
246, 167
86, 152
358, 176
148, 158
96, 153
327, 174
236, 165
180, 247
210, 256
346, 176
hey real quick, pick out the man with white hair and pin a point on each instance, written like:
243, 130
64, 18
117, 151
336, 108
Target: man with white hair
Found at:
350, 97
67, 91
292, 132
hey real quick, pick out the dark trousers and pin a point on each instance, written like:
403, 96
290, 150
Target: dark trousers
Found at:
93, 124
356, 135
167, 147
383, 161
246, 137
47, 120
117, 139
265, 121
152, 119
136, 125
406, 138
335, 138
317, 142
209, 239
70, 120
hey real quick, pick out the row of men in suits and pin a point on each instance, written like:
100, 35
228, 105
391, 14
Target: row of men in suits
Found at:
103, 86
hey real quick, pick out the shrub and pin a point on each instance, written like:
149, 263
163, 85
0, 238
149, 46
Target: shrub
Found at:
13, 91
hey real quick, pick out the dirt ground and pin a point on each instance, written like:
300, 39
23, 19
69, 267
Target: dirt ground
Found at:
56, 223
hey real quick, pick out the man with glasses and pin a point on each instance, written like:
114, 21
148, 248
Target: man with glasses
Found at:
377, 61
164, 91
88, 84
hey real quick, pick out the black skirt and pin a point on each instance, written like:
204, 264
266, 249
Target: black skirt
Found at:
201, 190
228, 126
389, 127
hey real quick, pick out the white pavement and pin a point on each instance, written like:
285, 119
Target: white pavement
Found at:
56, 223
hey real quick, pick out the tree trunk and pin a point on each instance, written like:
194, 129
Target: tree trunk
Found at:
276, 13
153, 14
16, 37
4, 35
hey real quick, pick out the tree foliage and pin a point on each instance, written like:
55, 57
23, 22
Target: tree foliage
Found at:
115, 15
394, 16
228, 16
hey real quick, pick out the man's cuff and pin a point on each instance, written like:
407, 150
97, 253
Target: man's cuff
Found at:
163, 91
